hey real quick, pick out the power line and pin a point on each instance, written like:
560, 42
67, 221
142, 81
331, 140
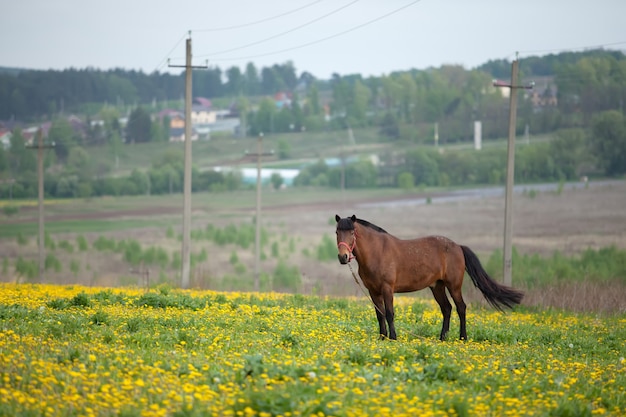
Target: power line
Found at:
282, 33
304, 45
165, 58
243, 25
544, 51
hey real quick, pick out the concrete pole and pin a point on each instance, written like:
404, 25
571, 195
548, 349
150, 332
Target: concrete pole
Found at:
510, 171
42, 243
186, 253
257, 237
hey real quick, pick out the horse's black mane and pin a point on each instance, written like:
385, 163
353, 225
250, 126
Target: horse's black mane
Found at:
347, 224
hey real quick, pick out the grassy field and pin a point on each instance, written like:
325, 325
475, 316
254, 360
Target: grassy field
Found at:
80, 351
303, 146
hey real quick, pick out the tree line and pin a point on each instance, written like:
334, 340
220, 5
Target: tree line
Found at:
587, 120
29, 95
572, 153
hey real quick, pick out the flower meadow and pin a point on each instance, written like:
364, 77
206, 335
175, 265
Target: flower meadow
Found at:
83, 351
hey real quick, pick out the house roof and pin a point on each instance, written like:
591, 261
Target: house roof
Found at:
205, 102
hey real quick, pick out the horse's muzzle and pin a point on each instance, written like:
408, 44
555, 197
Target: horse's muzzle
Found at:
343, 259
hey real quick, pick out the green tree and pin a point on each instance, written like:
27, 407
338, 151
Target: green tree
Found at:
22, 159
277, 180
235, 83
313, 106
406, 181
264, 117
79, 163
63, 137
284, 149
389, 126
423, 167
139, 126
160, 130
608, 141
4, 160
252, 80
570, 153
141, 180
357, 110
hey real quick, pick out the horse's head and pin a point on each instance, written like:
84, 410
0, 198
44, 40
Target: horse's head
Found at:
346, 238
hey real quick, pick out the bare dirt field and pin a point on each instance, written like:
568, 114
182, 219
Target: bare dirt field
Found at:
578, 217
570, 221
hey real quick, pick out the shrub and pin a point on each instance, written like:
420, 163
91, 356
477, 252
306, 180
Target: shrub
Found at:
406, 181
67, 246
327, 249
48, 242
74, 267
81, 300
82, 243
26, 269
132, 252
287, 277
21, 239
52, 262
10, 210
104, 244
234, 259
275, 251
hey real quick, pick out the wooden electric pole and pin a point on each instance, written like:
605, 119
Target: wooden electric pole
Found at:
257, 237
510, 171
185, 250
41, 241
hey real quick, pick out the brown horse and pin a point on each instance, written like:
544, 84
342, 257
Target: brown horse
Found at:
389, 265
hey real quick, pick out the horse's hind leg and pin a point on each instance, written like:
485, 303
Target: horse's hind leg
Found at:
439, 292
456, 295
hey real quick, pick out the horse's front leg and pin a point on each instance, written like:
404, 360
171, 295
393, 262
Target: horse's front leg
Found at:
379, 306
389, 312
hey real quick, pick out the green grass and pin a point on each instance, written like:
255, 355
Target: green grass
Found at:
77, 226
76, 350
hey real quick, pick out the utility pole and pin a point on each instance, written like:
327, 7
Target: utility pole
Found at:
185, 250
510, 171
41, 241
257, 237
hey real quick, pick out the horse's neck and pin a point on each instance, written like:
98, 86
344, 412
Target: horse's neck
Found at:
366, 243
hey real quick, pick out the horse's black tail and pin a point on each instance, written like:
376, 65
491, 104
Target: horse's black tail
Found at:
497, 295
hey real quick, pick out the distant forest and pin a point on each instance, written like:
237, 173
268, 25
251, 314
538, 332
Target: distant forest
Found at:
29, 95
577, 104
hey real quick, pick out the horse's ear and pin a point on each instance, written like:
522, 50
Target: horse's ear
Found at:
337, 218
353, 218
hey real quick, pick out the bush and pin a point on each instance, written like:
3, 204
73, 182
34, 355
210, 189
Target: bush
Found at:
10, 210
26, 269
327, 249
52, 262
287, 277
48, 242
406, 181
234, 259
132, 252
82, 243
21, 239
81, 300
67, 246
104, 244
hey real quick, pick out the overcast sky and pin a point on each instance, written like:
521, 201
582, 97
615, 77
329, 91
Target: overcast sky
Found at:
369, 37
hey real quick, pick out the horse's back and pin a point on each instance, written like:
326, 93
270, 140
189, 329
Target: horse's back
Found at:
426, 260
